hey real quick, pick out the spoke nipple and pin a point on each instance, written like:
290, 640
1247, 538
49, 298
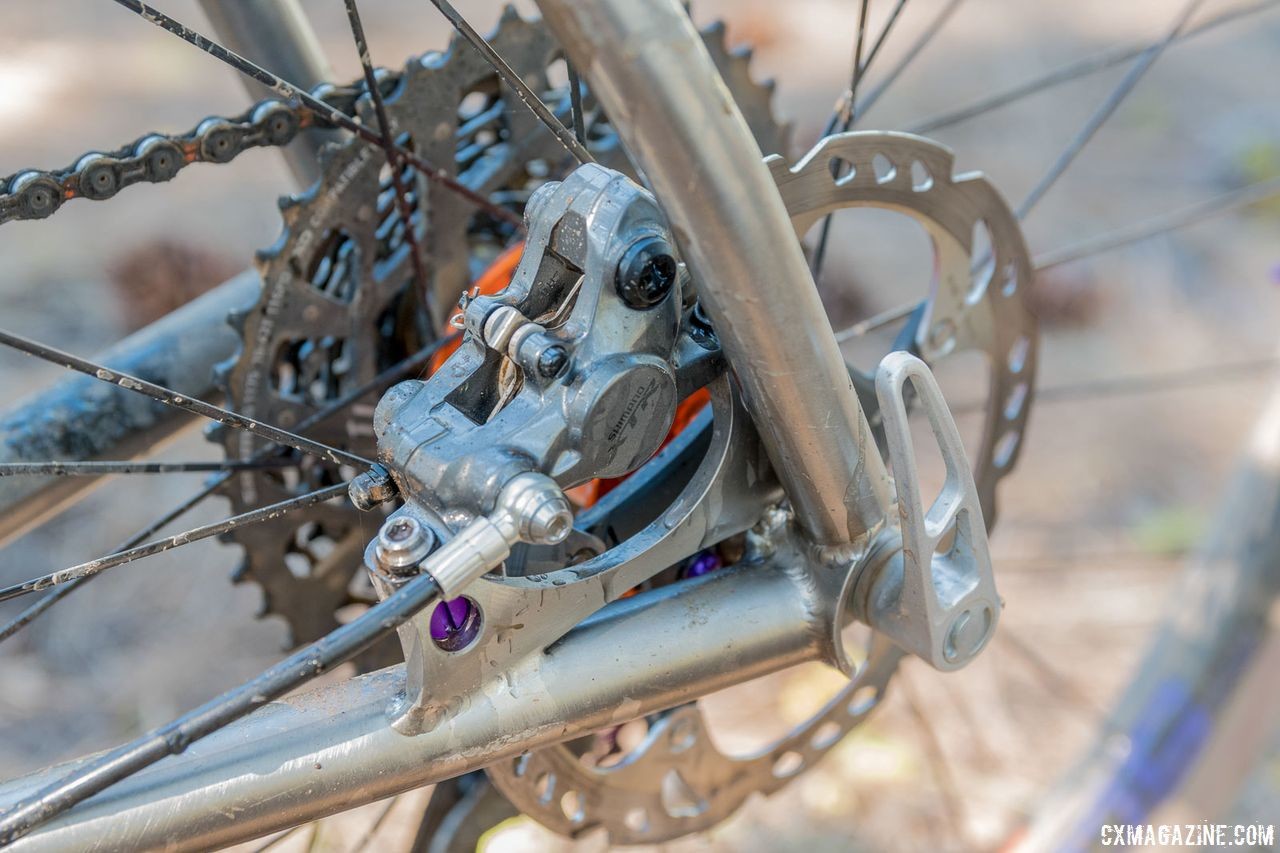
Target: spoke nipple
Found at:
372, 488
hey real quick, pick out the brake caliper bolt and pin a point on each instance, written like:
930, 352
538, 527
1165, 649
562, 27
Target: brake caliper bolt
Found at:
403, 543
553, 361
646, 273
371, 488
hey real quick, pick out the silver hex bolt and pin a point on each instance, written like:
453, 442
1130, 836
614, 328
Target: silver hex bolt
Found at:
403, 543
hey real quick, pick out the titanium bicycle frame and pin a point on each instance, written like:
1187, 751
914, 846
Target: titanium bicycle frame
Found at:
334, 748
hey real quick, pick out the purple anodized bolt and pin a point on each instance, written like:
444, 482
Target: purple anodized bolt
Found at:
705, 563
454, 624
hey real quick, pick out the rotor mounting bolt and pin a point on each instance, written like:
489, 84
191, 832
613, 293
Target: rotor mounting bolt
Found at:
646, 273
553, 362
371, 488
403, 543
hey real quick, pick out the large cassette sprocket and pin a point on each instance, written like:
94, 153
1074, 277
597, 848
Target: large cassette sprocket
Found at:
336, 305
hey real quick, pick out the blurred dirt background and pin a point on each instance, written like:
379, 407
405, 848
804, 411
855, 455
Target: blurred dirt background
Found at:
1111, 493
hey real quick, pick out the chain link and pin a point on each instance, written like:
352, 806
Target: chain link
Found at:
156, 158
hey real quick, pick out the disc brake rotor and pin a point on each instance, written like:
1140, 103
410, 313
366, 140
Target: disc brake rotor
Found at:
677, 781
336, 305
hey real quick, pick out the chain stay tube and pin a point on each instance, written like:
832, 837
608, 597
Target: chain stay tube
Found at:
332, 749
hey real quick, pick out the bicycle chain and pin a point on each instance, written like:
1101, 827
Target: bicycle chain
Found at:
157, 158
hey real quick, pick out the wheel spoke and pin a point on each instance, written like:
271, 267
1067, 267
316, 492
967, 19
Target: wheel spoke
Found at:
1136, 233
1074, 71
33, 612
1105, 110
512, 79
1232, 200
367, 838
1053, 679
943, 778
1197, 376
328, 113
392, 374
158, 546
917, 47
97, 469
883, 37
101, 772
880, 320
847, 98
178, 401
850, 111
575, 104
848, 114
278, 839
394, 160
1191, 377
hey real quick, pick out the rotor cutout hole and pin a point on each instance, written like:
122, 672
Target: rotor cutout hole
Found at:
842, 170
521, 764
921, 177
1006, 447
826, 735
788, 764
637, 820
864, 699
572, 806
683, 734
631, 734
613, 746
545, 788
884, 169
1014, 402
982, 263
1018, 354
678, 799
1009, 279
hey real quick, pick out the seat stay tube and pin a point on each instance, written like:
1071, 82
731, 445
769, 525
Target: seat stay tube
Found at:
647, 66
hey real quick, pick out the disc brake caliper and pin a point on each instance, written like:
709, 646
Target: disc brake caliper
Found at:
573, 372
558, 373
